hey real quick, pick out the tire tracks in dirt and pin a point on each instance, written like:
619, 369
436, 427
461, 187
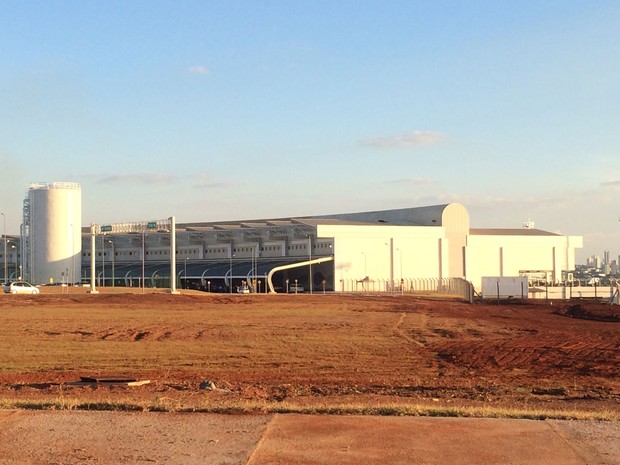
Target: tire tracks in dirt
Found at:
398, 329
533, 353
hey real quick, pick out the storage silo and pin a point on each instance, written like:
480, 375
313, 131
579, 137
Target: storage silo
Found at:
52, 233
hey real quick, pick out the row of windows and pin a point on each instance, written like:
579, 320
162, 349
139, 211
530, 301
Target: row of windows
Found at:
135, 252
208, 251
320, 245
270, 248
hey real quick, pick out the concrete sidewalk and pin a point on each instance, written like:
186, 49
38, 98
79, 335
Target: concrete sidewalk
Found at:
36, 437
315, 440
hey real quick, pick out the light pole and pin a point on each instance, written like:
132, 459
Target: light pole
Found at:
73, 257
391, 246
252, 273
102, 261
185, 274
143, 261
365, 280
4, 237
365, 270
402, 281
255, 254
310, 261
113, 253
230, 281
14, 250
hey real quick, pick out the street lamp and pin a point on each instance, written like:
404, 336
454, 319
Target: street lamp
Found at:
391, 246
402, 281
102, 261
400, 255
14, 250
365, 279
113, 254
73, 257
254, 272
365, 270
310, 261
230, 280
4, 237
185, 274
143, 262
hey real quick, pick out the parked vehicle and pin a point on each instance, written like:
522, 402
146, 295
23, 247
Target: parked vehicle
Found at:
20, 287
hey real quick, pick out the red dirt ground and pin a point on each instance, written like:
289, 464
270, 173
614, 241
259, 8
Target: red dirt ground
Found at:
311, 351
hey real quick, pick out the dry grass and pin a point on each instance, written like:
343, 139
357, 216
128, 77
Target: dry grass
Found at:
254, 407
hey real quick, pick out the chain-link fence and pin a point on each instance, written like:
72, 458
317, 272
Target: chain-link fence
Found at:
457, 287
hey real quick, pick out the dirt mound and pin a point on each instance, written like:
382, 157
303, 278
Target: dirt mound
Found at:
592, 311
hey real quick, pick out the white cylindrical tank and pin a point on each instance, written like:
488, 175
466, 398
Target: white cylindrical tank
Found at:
55, 236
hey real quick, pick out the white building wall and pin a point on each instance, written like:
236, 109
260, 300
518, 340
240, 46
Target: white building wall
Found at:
504, 255
378, 252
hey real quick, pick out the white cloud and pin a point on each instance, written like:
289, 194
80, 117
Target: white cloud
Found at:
198, 69
196, 181
413, 180
407, 139
610, 184
206, 181
139, 178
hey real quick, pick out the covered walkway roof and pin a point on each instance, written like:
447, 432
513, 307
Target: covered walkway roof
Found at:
193, 269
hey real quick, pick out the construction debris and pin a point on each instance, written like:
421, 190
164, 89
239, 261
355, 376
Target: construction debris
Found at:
207, 386
113, 380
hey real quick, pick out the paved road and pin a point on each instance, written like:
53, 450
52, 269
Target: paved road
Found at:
67, 438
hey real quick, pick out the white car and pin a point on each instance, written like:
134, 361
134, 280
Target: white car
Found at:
20, 287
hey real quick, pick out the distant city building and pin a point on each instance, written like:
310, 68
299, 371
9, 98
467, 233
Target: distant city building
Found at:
594, 261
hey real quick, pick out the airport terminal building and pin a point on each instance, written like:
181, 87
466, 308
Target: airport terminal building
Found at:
390, 250
399, 250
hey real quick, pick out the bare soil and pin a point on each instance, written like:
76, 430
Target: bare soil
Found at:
220, 352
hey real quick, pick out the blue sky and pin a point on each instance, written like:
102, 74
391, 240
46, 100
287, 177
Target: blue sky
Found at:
224, 110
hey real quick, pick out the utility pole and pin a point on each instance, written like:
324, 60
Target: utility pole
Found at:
4, 237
